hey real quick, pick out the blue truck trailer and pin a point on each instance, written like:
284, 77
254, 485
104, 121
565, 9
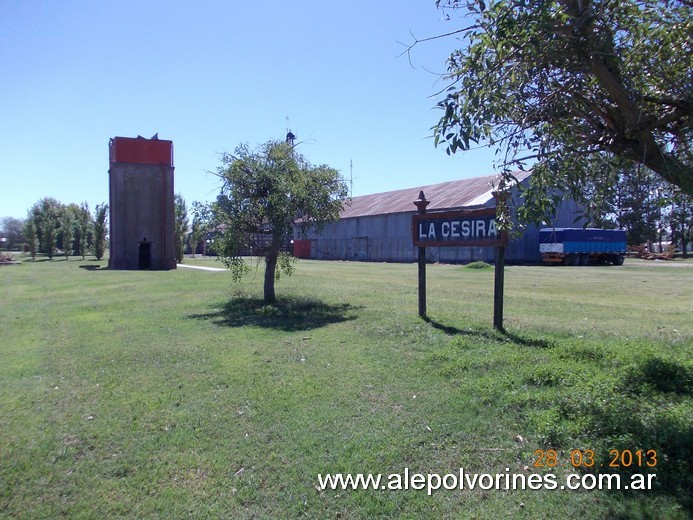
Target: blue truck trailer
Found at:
579, 246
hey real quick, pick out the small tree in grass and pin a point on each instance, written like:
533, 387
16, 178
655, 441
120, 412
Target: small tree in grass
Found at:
100, 227
45, 215
202, 224
83, 225
31, 236
265, 193
67, 224
181, 225
195, 235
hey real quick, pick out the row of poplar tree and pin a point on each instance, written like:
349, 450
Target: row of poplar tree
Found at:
52, 228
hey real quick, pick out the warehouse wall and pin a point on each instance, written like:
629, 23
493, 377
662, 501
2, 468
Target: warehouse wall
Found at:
388, 238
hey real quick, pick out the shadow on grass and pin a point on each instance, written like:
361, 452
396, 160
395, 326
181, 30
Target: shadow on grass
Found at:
640, 410
494, 335
286, 314
528, 342
91, 267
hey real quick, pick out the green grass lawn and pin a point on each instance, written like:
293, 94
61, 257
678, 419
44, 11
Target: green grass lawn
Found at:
178, 394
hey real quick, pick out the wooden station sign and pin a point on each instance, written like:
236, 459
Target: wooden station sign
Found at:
457, 228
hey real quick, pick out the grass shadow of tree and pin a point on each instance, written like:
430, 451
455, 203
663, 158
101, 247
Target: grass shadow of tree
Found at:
289, 314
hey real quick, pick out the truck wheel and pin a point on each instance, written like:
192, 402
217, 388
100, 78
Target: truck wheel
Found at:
618, 260
584, 259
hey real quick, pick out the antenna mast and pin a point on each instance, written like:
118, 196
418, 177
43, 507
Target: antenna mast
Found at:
351, 178
290, 137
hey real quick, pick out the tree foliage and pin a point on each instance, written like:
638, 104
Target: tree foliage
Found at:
66, 221
196, 234
679, 219
639, 206
181, 225
100, 225
574, 85
45, 216
202, 224
84, 225
650, 209
12, 230
31, 235
265, 193
51, 225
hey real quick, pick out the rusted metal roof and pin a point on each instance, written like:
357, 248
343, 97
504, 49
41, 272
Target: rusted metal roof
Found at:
476, 191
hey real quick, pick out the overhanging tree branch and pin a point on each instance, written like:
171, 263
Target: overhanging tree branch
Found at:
584, 73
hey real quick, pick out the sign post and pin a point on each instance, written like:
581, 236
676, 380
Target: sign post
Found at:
421, 204
498, 284
474, 227
499, 279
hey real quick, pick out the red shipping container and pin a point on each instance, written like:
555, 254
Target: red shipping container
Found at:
302, 248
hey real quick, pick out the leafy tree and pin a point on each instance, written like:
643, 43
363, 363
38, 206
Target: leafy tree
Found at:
100, 225
264, 194
572, 84
181, 225
195, 235
639, 206
74, 210
46, 217
67, 223
84, 223
679, 218
643, 204
202, 224
31, 235
12, 230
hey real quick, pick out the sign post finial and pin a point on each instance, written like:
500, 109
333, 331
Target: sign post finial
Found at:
421, 203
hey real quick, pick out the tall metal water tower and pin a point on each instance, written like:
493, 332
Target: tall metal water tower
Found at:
141, 206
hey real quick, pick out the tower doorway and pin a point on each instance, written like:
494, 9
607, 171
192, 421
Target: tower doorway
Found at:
145, 255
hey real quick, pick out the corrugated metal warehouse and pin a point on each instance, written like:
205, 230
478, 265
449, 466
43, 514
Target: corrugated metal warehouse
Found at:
378, 228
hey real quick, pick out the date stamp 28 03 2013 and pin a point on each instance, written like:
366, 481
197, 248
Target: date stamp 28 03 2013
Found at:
618, 459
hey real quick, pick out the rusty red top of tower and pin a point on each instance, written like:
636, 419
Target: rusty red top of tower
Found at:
139, 150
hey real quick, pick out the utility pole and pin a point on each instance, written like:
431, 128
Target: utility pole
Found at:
351, 178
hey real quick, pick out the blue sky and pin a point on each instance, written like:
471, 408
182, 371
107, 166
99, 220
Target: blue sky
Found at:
209, 75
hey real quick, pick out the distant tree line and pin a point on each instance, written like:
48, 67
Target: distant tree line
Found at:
194, 231
51, 228
180, 212
11, 233
650, 209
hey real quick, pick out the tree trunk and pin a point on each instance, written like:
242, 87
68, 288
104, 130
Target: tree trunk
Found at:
684, 242
270, 269
649, 153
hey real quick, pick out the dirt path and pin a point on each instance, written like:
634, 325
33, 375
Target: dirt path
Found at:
202, 268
